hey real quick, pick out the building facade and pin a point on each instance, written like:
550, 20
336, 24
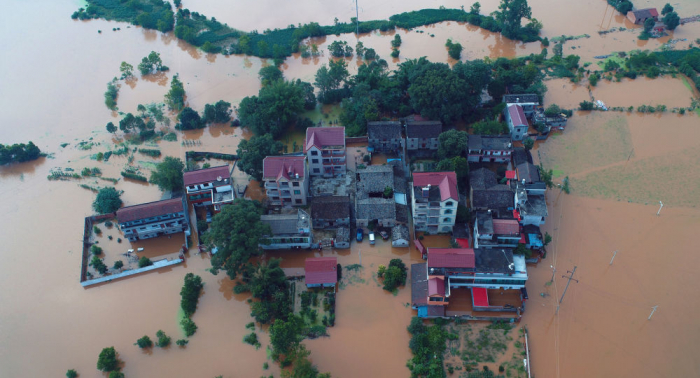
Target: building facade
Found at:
528, 102
434, 201
288, 231
325, 150
330, 212
209, 186
286, 180
385, 137
517, 122
489, 149
153, 219
423, 135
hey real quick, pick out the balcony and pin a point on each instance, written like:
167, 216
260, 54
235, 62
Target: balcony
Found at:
335, 153
333, 162
270, 185
286, 193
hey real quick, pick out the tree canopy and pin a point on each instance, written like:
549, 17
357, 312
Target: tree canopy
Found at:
149, 63
189, 294
451, 143
487, 127
510, 14
168, 174
671, 20
107, 361
189, 120
269, 74
275, 108
329, 80
668, 8
175, 98
108, 200
236, 231
220, 112
18, 153
252, 152
285, 335
302, 366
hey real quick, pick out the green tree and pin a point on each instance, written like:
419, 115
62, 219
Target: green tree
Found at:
252, 152
671, 20
168, 174
547, 238
329, 79
163, 339
107, 361
144, 262
188, 327
189, 293
71, 373
388, 192
552, 110
235, 231
510, 15
454, 49
182, 342
127, 70
528, 143
189, 120
118, 264
285, 335
275, 108
396, 42
301, 365
130, 123
593, 79
649, 24
395, 275
490, 128
116, 374
267, 282
667, 9
475, 8
111, 94
111, 128
150, 63
175, 98
546, 176
107, 200
269, 74
220, 112
144, 342
451, 144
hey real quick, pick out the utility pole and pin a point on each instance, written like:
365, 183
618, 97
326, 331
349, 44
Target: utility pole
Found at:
653, 309
357, 18
570, 277
613, 258
660, 207
554, 270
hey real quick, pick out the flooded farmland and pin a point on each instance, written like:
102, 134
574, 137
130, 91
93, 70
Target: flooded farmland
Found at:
53, 75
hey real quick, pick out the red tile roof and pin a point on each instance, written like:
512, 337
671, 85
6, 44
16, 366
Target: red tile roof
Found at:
202, 176
275, 167
324, 136
149, 210
436, 286
451, 258
321, 270
419, 246
464, 243
446, 181
517, 116
506, 227
480, 296
510, 174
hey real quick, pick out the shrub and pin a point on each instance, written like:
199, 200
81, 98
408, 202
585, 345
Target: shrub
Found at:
144, 342
653, 72
107, 361
144, 262
395, 53
98, 264
181, 342
190, 293
395, 275
252, 339
118, 264
96, 250
71, 373
250, 325
396, 42
380, 271
109, 224
593, 79
454, 49
188, 326
586, 105
163, 339
96, 230
116, 374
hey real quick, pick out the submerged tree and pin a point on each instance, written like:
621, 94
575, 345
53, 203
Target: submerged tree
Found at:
252, 152
168, 174
107, 360
175, 98
108, 200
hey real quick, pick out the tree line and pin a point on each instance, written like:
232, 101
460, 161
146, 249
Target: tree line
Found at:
18, 153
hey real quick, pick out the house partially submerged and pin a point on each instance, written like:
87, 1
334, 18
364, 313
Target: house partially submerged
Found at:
400, 236
209, 186
153, 219
286, 180
639, 16
434, 201
330, 212
422, 135
288, 231
489, 149
371, 203
321, 272
385, 136
325, 150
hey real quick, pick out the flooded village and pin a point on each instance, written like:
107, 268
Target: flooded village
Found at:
538, 225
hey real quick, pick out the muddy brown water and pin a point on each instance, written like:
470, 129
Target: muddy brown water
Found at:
54, 74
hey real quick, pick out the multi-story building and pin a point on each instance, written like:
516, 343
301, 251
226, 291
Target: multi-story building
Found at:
209, 186
531, 208
286, 180
385, 136
529, 102
517, 122
423, 135
330, 212
434, 201
325, 149
153, 219
489, 149
288, 231
495, 233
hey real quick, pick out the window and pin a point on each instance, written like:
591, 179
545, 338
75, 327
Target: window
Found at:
446, 220
295, 183
284, 184
298, 201
297, 192
314, 161
314, 153
448, 211
449, 204
317, 170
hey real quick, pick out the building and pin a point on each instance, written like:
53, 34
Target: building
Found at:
528, 178
638, 16
321, 272
520, 155
489, 149
209, 186
371, 204
325, 150
288, 231
531, 208
423, 135
529, 102
385, 137
342, 238
330, 212
286, 180
153, 219
434, 201
400, 236
517, 122
486, 194
495, 233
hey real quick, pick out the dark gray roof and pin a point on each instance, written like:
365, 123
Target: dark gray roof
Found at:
521, 155
401, 213
384, 130
535, 205
342, 234
497, 260
282, 224
433, 193
489, 142
461, 231
375, 208
521, 98
481, 179
492, 199
374, 179
332, 207
423, 129
484, 221
419, 284
529, 172
399, 232
531, 229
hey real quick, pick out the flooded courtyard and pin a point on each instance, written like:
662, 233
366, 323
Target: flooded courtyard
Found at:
620, 165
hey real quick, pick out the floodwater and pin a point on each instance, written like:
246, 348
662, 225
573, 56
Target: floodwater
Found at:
54, 74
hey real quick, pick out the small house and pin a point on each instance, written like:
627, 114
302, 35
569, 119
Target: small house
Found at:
423, 135
342, 238
288, 231
321, 272
209, 186
638, 16
489, 149
399, 236
517, 122
371, 202
385, 137
153, 219
330, 212
527, 101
